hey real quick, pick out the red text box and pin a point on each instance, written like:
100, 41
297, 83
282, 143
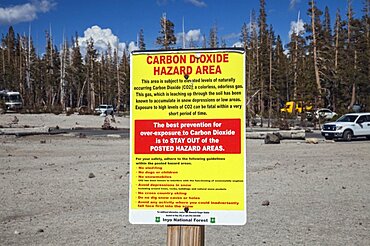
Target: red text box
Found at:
207, 136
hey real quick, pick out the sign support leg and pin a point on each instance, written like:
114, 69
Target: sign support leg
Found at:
182, 235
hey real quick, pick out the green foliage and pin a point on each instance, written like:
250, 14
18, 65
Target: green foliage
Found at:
166, 39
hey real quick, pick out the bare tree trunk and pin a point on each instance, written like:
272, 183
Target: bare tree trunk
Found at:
3, 56
367, 9
21, 85
62, 76
270, 84
118, 83
349, 33
314, 42
295, 60
81, 94
336, 55
336, 50
353, 96
28, 66
92, 88
249, 89
257, 76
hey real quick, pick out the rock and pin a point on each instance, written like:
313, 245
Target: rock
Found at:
266, 203
312, 140
272, 139
15, 120
106, 125
91, 175
40, 230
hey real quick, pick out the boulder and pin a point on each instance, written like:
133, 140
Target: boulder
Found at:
272, 138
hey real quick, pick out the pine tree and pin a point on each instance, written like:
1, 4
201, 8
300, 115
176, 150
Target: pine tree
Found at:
263, 64
281, 74
352, 54
21, 59
9, 74
271, 88
124, 69
213, 37
204, 43
244, 36
253, 67
192, 43
90, 63
31, 74
297, 83
339, 62
327, 59
117, 81
315, 28
244, 39
223, 43
77, 74
362, 61
166, 38
366, 26
64, 74
141, 43
51, 64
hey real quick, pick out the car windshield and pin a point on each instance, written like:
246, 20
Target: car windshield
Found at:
15, 98
347, 118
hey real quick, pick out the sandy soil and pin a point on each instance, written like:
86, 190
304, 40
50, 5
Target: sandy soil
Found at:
318, 193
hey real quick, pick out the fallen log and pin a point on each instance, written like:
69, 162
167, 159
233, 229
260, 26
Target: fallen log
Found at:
25, 131
293, 134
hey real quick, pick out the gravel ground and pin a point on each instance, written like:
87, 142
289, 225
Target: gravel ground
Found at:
58, 190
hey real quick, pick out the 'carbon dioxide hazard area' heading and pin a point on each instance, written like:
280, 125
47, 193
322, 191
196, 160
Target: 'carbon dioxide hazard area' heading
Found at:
173, 64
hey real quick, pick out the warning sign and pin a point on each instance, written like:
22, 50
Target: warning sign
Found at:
188, 159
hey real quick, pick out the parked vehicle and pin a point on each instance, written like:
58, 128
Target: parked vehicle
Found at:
104, 109
347, 127
12, 100
297, 107
324, 113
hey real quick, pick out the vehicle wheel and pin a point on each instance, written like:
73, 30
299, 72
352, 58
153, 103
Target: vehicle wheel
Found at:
347, 135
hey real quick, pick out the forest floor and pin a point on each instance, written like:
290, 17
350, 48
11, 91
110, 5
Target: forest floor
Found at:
68, 190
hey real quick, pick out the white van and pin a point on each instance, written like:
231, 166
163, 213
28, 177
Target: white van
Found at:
12, 100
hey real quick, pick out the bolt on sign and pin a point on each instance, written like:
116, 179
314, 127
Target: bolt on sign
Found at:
187, 150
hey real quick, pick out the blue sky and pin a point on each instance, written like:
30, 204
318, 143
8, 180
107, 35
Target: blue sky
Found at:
119, 21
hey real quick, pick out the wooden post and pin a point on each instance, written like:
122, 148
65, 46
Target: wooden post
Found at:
181, 235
